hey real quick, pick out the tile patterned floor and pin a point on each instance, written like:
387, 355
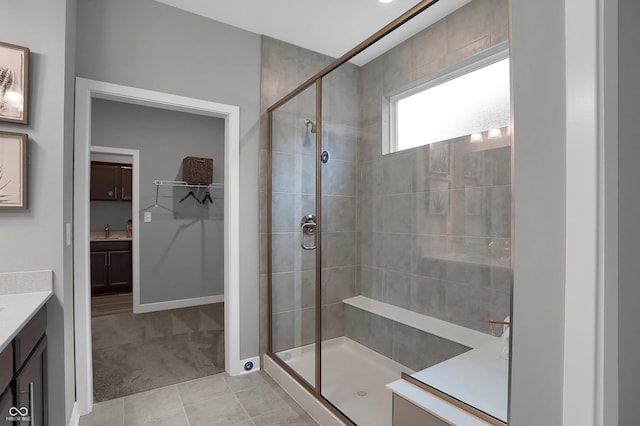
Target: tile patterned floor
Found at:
249, 400
134, 353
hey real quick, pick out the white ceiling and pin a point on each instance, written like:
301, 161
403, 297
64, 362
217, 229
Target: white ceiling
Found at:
332, 27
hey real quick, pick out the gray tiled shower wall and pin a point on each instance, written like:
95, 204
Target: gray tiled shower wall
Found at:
397, 228
434, 222
410, 347
293, 196
284, 67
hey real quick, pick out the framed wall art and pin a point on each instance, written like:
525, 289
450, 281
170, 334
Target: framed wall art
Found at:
13, 170
14, 83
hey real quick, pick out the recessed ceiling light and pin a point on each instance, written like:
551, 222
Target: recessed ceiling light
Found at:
385, 1
494, 134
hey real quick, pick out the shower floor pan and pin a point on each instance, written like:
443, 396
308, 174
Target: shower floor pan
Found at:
354, 378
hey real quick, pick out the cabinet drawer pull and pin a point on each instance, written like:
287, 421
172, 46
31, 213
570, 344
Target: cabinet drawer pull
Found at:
106, 262
109, 254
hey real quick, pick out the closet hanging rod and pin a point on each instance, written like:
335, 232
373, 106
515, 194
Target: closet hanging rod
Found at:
185, 184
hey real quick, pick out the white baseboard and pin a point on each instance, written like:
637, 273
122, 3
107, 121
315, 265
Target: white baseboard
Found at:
75, 417
321, 414
175, 304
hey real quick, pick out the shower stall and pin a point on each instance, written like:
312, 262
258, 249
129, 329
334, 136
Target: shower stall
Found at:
389, 225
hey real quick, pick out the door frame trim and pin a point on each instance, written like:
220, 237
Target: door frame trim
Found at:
86, 91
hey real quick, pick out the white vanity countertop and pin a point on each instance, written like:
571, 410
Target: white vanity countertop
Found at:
22, 294
479, 377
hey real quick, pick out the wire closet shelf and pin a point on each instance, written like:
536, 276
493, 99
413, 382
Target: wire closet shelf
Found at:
179, 183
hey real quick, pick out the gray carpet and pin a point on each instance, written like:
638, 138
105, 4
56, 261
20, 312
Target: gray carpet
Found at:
134, 353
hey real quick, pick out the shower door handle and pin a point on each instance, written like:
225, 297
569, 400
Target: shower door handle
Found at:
307, 227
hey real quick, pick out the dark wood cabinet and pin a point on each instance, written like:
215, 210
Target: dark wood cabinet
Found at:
111, 267
31, 384
126, 179
110, 181
104, 181
99, 271
6, 390
6, 402
24, 397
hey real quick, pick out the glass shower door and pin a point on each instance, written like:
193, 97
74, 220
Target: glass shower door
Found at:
293, 233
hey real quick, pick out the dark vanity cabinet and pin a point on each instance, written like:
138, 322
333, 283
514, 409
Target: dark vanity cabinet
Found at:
6, 390
6, 402
31, 384
23, 375
111, 267
110, 181
126, 176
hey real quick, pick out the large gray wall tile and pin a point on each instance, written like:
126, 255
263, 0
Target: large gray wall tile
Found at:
283, 218
397, 288
340, 249
282, 292
282, 165
340, 213
340, 283
427, 296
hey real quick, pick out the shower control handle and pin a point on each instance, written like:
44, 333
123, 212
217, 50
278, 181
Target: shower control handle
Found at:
307, 227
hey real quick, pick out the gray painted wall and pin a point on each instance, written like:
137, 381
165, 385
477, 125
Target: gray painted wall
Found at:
182, 249
538, 93
37, 234
629, 212
113, 46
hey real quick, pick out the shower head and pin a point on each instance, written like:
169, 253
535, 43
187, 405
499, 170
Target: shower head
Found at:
308, 123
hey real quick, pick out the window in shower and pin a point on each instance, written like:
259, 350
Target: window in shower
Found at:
466, 101
409, 264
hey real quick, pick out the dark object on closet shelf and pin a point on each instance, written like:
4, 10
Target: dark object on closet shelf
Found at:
192, 195
197, 170
207, 196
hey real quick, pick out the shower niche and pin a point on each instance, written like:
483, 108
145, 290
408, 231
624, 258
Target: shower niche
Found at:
390, 219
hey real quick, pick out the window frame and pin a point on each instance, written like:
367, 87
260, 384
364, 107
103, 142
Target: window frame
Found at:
475, 62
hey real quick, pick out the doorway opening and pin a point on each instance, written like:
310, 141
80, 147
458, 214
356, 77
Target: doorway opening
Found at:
86, 92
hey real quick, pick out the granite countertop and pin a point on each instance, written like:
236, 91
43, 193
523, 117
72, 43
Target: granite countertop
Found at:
22, 294
113, 236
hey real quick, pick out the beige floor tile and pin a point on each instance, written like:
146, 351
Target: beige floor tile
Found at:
199, 390
260, 399
245, 381
224, 410
208, 401
136, 353
154, 405
283, 417
107, 413
178, 418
